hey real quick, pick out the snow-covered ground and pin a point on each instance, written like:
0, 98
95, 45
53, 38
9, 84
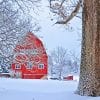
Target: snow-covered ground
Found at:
28, 89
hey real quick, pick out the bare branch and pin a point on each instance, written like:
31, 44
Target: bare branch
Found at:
19, 5
12, 26
62, 3
73, 14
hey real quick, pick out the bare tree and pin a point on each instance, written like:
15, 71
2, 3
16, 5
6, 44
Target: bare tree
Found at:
59, 57
75, 59
63, 62
13, 26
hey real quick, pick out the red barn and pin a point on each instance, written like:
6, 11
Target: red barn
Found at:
30, 58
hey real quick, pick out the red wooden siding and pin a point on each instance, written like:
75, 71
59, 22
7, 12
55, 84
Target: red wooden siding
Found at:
30, 58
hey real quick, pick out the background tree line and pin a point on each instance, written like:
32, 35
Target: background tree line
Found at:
63, 62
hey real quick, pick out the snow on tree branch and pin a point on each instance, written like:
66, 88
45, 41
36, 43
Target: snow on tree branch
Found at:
61, 10
73, 14
13, 26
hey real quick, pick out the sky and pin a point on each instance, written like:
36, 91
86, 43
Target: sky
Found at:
58, 35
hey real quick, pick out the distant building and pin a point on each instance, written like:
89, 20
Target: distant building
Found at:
30, 58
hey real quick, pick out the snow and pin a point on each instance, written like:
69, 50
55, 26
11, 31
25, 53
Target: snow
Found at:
32, 89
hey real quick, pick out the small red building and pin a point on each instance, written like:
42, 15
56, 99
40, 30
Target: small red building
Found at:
30, 58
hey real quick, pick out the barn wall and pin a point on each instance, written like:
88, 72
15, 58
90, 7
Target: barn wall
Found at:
24, 52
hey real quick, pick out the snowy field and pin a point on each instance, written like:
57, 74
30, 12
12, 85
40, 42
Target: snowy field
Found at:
27, 89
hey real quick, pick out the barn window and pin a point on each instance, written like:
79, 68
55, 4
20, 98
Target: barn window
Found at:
41, 66
17, 66
29, 65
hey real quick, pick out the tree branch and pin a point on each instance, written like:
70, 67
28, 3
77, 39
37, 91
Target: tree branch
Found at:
73, 14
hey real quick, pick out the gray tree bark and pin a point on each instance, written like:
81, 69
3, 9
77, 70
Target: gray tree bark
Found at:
89, 82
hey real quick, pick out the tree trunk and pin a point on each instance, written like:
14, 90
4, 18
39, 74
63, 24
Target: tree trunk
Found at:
89, 82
